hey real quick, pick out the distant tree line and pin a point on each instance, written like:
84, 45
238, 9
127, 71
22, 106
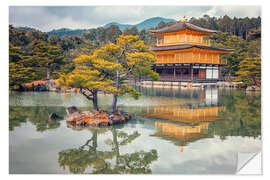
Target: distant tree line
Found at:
234, 26
27, 46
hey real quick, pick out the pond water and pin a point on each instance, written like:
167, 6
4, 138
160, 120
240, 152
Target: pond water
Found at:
172, 131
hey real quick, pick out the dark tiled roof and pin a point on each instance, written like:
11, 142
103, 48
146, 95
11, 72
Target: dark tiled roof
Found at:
180, 26
186, 46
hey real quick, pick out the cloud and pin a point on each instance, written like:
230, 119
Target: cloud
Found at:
237, 11
41, 18
47, 18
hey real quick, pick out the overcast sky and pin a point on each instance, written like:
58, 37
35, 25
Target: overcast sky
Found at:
76, 17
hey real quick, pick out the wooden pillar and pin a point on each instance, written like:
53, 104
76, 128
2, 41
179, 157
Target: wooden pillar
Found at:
174, 72
199, 72
191, 71
180, 71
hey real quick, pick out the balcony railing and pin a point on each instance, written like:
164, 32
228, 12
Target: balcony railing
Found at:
160, 42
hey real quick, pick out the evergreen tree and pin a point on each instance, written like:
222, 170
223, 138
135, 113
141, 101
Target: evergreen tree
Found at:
108, 67
47, 56
90, 76
133, 59
19, 71
250, 71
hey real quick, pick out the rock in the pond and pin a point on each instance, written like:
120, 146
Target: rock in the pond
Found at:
54, 116
97, 118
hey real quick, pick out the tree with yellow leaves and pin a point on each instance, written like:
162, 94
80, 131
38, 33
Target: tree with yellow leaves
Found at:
90, 75
136, 60
108, 67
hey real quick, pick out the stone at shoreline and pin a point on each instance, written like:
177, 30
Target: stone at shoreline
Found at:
40, 87
97, 118
253, 88
51, 85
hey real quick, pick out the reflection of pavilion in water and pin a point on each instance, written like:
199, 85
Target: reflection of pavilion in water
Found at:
208, 96
187, 123
181, 135
193, 123
185, 114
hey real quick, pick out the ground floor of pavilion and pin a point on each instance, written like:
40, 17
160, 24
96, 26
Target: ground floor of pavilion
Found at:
189, 72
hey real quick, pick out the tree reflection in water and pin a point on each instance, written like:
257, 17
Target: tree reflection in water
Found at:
107, 162
244, 112
37, 115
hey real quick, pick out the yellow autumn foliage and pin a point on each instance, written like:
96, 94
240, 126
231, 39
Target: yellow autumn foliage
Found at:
111, 63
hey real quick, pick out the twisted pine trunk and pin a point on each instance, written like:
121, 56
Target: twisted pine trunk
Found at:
95, 101
115, 95
93, 96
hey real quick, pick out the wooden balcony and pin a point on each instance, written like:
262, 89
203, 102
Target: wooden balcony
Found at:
189, 57
203, 43
182, 39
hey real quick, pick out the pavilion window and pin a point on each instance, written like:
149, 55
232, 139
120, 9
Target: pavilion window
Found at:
194, 38
185, 71
174, 38
204, 57
182, 38
208, 58
188, 38
159, 71
176, 56
170, 71
215, 58
177, 71
166, 38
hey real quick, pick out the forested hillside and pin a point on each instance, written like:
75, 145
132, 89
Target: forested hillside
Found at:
241, 34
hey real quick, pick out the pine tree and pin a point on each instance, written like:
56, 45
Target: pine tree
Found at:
250, 71
108, 67
19, 71
133, 59
47, 56
90, 76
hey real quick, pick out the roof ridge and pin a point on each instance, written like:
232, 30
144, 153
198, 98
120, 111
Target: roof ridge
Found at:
181, 26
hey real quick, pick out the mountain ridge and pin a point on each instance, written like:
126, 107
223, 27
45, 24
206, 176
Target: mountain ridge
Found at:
146, 24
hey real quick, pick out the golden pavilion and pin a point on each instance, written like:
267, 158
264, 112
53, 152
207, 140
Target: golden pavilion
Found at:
184, 53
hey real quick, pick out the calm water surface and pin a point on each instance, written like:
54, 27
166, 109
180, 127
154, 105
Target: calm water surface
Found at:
172, 131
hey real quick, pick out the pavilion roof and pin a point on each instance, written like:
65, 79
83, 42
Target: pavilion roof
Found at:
181, 26
181, 139
187, 46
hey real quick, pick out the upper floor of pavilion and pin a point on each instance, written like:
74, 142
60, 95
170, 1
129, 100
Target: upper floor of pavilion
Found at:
182, 33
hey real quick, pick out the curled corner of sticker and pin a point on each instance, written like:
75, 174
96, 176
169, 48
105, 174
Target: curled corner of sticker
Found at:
249, 163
